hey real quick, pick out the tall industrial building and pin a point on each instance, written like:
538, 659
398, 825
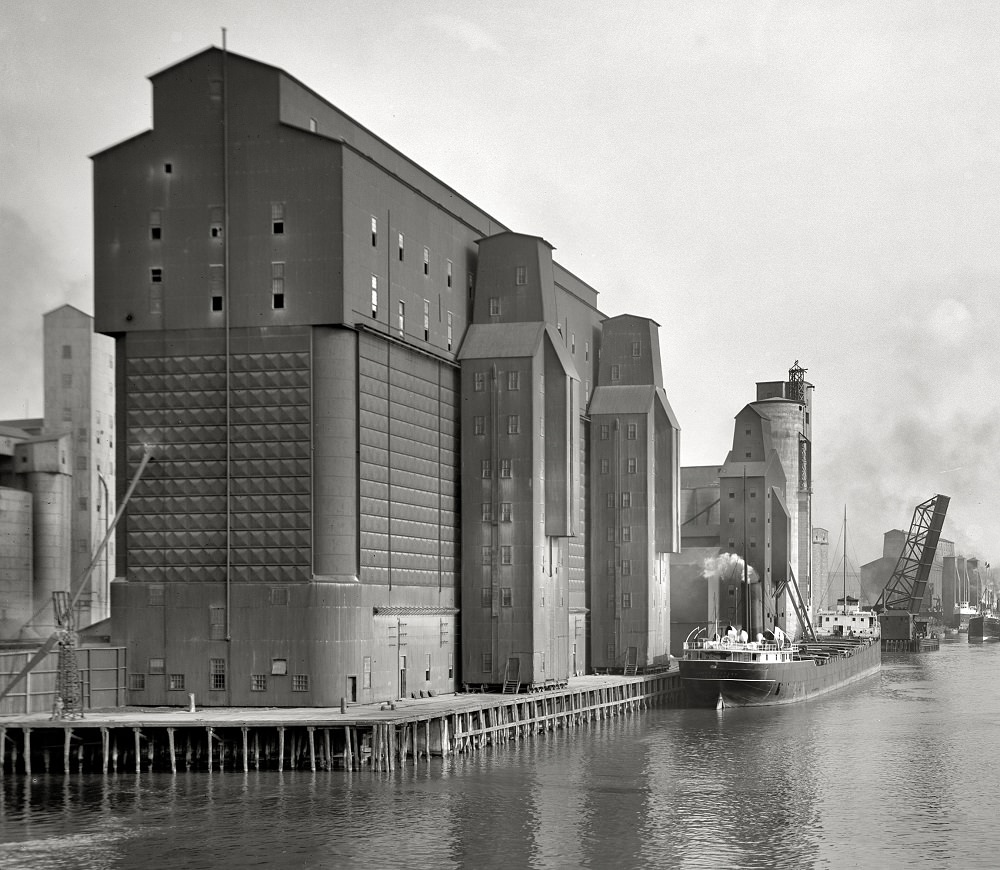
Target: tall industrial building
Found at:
365, 400
79, 376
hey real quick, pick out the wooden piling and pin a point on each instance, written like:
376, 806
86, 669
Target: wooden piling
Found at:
281, 748
312, 747
138, 756
67, 738
27, 751
170, 749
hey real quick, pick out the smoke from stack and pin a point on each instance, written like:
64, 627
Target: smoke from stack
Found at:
726, 566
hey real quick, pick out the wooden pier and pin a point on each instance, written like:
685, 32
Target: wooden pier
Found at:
374, 736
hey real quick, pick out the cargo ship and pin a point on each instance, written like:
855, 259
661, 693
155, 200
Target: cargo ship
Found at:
730, 671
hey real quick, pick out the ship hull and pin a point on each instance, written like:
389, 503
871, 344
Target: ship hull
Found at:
982, 628
826, 667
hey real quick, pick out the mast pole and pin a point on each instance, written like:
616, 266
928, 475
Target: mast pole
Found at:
845, 560
746, 568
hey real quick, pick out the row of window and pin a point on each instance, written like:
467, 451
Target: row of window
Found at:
506, 596
506, 512
513, 381
626, 499
513, 425
217, 676
217, 284
630, 431
506, 555
401, 316
216, 221
631, 465
506, 468
401, 255
626, 567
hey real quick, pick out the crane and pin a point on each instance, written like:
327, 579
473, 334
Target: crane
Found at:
903, 594
68, 702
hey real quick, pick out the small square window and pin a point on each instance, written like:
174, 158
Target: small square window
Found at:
521, 275
278, 596
505, 468
258, 682
155, 226
605, 431
217, 303
486, 597
175, 682
277, 218
487, 512
156, 275
626, 567
494, 306
626, 600
156, 666
505, 512
279, 667
513, 380
630, 431
513, 424
506, 555
506, 597
626, 499
631, 466
485, 468
137, 682
168, 168
300, 682
626, 534
67, 351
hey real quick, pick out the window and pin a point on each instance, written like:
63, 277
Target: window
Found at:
605, 431
278, 596
401, 316
541, 426
217, 623
586, 351
449, 268
479, 381
616, 372
156, 666
312, 125
486, 597
374, 232
505, 468
626, 533
505, 512
400, 247
471, 280
630, 431
277, 285
279, 667
216, 218
513, 424
572, 343
521, 276
217, 675
81, 463
168, 168
611, 499
732, 518
156, 275
137, 682
300, 682
427, 261
487, 662
450, 330
155, 227
753, 493
258, 682
506, 555
154, 595
605, 466
513, 380
366, 672
217, 284
626, 567
487, 512
67, 351
451, 665
506, 597
427, 319
487, 555
609, 568
427, 667
631, 465
732, 494
626, 499
175, 682
277, 218
636, 349
479, 425
611, 534
494, 306
626, 600
485, 468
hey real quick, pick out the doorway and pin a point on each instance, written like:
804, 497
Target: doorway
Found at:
352, 689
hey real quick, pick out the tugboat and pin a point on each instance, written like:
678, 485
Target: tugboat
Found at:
983, 627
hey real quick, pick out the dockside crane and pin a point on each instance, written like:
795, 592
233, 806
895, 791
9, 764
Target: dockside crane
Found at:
901, 599
69, 701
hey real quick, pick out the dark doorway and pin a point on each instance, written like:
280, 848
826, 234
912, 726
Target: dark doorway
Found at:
352, 689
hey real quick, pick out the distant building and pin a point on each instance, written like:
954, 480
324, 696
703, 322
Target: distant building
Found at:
79, 375
875, 575
366, 400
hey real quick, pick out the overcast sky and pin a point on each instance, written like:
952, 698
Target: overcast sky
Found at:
769, 181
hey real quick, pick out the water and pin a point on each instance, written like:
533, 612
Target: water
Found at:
894, 772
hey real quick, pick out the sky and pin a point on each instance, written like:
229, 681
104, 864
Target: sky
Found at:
771, 182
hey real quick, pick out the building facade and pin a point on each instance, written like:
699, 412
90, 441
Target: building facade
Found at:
79, 368
288, 296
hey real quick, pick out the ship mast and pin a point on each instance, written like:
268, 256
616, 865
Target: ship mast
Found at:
845, 560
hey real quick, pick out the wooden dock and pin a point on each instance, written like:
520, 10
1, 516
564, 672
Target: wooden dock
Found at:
372, 736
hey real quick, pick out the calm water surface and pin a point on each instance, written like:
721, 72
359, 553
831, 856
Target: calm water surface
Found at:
896, 772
